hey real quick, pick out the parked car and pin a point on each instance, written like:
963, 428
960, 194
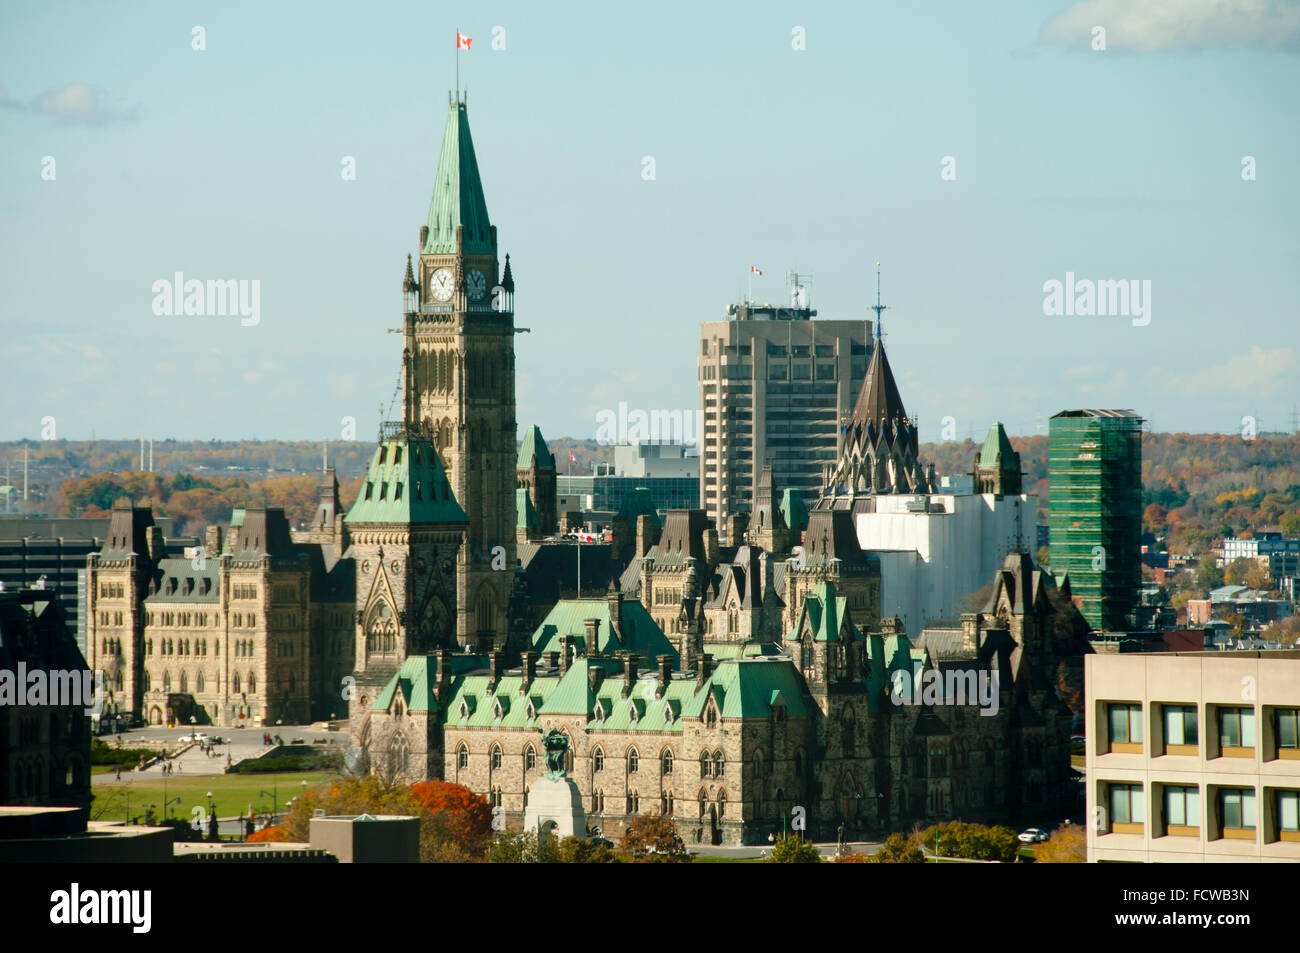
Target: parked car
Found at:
195, 736
1033, 835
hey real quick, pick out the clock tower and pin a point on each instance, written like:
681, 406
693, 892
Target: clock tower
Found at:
459, 377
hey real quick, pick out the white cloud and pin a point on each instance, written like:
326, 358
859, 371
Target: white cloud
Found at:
1261, 373
76, 102
1146, 25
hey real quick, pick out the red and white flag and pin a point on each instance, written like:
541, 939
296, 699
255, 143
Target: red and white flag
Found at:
572, 458
462, 41
754, 270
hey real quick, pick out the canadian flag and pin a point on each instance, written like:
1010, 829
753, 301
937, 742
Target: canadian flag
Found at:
462, 41
572, 458
755, 270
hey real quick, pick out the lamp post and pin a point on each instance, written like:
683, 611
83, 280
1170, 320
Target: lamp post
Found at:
167, 806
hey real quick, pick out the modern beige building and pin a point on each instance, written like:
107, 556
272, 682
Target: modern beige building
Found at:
1193, 757
775, 386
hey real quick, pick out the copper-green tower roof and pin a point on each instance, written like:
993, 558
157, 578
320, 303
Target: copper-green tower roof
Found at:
997, 443
406, 484
534, 446
458, 198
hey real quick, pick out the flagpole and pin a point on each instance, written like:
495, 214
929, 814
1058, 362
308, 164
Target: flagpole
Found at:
458, 66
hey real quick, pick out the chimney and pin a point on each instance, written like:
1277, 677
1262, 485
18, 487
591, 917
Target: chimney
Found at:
711, 547
629, 672
496, 664
566, 654
212, 541
665, 675
530, 669
703, 670
970, 632
553, 659
647, 534
595, 674
615, 598
754, 572
592, 627
444, 676
736, 525
156, 548
767, 572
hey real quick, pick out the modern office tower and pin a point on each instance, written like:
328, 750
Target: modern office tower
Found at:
774, 385
1094, 471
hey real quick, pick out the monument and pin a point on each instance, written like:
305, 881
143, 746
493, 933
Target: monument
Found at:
554, 804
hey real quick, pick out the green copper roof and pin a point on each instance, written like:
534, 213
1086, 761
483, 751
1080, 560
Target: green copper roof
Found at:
406, 484
794, 509
458, 194
996, 443
826, 612
747, 688
640, 633
525, 512
534, 446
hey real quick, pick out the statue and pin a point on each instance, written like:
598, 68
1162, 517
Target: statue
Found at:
556, 744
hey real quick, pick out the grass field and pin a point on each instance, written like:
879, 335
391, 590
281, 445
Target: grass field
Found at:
232, 793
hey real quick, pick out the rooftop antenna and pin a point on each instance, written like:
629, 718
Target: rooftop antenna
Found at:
878, 307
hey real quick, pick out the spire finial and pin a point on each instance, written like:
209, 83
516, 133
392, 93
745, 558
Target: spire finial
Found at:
878, 307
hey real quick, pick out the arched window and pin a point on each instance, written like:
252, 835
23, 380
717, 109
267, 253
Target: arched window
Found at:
399, 753
496, 756
185, 683
722, 804
711, 717
758, 764
235, 684
633, 761
484, 617
848, 735
718, 763
598, 760
530, 758
667, 761
167, 682
252, 682
199, 682
462, 756
706, 765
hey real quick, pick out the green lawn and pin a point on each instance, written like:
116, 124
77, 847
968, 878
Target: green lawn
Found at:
232, 793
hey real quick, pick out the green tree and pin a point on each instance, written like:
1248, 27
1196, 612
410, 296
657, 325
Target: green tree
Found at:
794, 850
899, 849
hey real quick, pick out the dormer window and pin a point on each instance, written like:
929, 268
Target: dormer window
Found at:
397, 455
370, 487
397, 491
383, 453
464, 709
530, 710
496, 709
600, 712
631, 714
419, 495
668, 714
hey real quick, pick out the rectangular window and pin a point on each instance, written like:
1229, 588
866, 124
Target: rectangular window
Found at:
1237, 732
1288, 815
1237, 808
1127, 808
826, 372
1286, 723
802, 372
1182, 810
1180, 729
776, 372
1126, 728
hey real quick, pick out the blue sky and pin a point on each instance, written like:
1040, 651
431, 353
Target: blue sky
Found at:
1123, 163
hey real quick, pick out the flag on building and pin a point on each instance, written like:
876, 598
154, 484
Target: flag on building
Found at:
462, 41
754, 270
572, 458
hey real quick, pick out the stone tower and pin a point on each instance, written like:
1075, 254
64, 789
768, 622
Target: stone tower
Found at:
459, 377
997, 468
535, 472
407, 530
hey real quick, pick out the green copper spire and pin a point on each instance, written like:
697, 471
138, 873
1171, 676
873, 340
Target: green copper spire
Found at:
996, 444
458, 194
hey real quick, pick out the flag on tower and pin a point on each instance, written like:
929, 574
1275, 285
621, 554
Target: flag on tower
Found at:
754, 270
462, 41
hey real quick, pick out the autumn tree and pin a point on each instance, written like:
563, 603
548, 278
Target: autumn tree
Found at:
653, 838
899, 849
794, 850
1067, 845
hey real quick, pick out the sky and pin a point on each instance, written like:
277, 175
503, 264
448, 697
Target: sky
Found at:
979, 152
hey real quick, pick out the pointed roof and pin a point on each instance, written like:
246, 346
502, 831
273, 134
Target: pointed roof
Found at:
879, 398
525, 513
534, 446
406, 483
458, 198
994, 444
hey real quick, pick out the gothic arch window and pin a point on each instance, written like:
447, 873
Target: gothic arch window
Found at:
399, 753
252, 682
666, 761
462, 756
167, 682
706, 765
722, 804
484, 616
806, 654
758, 764
381, 629
236, 684
719, 764
199, 682
848, 735
633, 761
598, 760
496, 756
530, 758
711, 716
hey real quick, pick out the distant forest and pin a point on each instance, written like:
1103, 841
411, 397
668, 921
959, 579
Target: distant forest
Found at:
1196, 486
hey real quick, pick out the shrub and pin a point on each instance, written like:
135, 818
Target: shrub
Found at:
898, 849
653, 838
794, 850
972, 841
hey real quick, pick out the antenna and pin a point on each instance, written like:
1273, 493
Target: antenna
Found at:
878, 307
799, 285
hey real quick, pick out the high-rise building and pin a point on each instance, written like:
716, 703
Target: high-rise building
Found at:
1094, 471
459, 376
774, 387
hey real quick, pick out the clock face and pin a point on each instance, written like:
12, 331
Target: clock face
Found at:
476, 282
440, 284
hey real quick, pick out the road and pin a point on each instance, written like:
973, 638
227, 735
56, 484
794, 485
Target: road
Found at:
237, 743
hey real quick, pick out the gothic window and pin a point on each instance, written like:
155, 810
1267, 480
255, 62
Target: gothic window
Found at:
496, 756
483, 613
722, 804
758, 764
462, 756
711, 717
199, 685
252, 682
146, 680
381, 629
806, 654
167, 682
718, 763
847, 733
633, 761
235, 683
530, 758
667, 760
598, 760
399, 753
706, 765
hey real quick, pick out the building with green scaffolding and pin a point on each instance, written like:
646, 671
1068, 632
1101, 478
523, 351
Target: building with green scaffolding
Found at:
1095, 478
